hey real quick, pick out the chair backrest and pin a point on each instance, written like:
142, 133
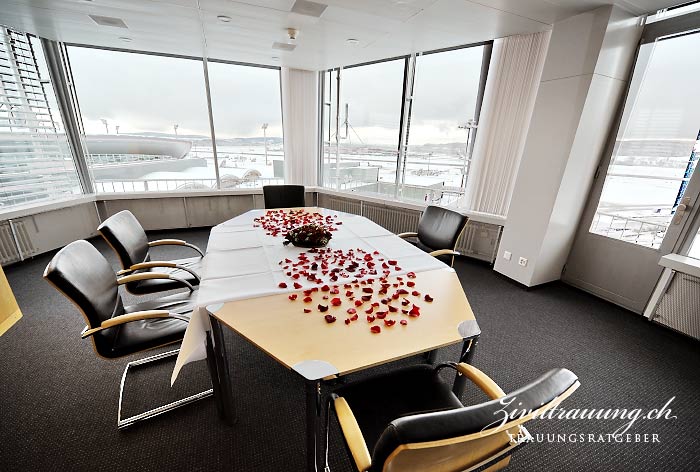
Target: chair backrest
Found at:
87, 279
471, 436
284, 196
439, 228
125, 234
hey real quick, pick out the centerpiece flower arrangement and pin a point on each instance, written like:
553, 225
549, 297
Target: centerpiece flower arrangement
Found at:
310, 236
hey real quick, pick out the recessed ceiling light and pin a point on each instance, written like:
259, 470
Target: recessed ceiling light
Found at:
352, 41
125, 39
224, 18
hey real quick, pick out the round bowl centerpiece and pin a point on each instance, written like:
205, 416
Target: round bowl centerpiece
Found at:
308, 236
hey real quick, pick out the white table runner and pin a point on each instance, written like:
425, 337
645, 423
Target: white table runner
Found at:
243, 262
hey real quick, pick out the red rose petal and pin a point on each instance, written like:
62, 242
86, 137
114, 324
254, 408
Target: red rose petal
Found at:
368, 289
411, 283
308, 299
325, 288
358, 302
306, 310
369, 310
329, 318
415, 293
392, 262
347, 321
411, 275
336, 302
293, 297
322, 308
381, 315
282, 285
393, 309
403, 322
428, 298
376, 329
297, 285
352, 311
354, 317
370, 319
390, 322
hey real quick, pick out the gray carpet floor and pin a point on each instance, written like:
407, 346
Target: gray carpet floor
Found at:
58, 401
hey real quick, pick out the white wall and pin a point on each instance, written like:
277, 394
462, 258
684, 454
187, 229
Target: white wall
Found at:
587, 64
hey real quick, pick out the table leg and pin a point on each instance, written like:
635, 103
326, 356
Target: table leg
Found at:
314, 444
468, 349
430, 356
219, 370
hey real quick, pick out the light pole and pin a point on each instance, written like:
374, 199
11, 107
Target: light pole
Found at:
264, 128
117, 128
175, 127
104, 122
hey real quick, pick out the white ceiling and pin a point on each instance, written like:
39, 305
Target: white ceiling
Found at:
384, 28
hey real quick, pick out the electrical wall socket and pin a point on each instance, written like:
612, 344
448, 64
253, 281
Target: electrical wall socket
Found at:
507, 255
522, 261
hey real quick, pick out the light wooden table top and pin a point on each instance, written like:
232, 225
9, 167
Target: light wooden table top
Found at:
315, 349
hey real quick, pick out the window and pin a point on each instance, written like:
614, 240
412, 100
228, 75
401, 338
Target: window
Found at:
368, 132
443, 118
248, 124
656, 150
145, 119
432, 98
35, 160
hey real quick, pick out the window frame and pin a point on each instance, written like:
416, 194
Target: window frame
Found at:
406, 106
205, 74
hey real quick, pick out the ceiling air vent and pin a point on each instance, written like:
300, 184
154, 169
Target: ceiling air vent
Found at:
306, 8
108, 21
283, 46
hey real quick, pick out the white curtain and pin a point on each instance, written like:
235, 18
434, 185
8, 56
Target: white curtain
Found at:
511, 88
300, 123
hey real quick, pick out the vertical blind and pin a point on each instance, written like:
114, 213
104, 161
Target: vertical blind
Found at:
35, 161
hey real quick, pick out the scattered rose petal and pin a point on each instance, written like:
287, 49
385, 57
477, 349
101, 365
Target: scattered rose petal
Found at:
390, 322
322, 308
428, 298
376, 329
308, 299
329, 318
336, 302
403, 322
282, 285
293, 297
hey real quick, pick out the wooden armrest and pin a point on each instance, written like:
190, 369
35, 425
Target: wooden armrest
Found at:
154, 264
407, 235
444, 252
152, 275
481, 380
174, 242
353, 435
147, 265
121, 319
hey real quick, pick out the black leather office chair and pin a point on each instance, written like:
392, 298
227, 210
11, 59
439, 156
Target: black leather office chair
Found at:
411, 420
126, 236
86, 278
284, 196
438, 231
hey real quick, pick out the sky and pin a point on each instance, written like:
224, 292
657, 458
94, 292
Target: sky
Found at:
147, 93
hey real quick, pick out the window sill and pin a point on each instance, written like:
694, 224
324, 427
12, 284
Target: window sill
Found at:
30, 209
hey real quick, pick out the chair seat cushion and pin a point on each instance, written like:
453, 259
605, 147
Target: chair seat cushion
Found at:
146, 334
143, 287
379, 400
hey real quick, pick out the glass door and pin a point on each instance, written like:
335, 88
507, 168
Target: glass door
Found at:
644, 199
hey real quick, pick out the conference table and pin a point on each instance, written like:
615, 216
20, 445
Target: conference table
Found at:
366, 299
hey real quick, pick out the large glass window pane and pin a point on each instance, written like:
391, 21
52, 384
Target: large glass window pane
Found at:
654, 156
370, 116
248, 124
145, 119
35, 159
443, 113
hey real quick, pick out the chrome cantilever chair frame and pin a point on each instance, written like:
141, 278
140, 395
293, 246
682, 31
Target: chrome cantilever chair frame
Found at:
126, 422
